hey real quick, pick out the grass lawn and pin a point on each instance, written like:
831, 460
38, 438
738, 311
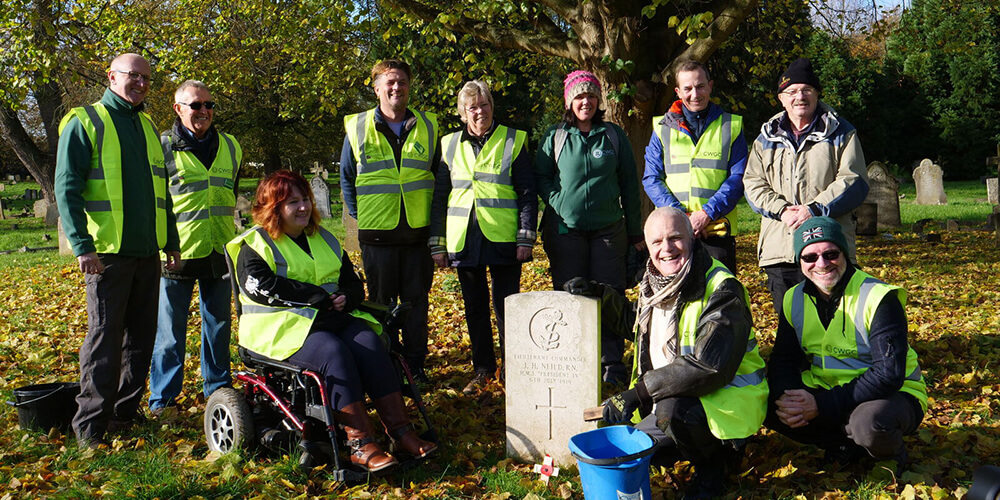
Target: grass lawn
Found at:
952, 295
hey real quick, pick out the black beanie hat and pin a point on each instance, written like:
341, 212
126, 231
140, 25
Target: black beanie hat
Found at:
800, 71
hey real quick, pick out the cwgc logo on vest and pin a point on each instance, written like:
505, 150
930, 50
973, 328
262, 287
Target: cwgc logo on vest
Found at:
420, 148
598, 153
715, 155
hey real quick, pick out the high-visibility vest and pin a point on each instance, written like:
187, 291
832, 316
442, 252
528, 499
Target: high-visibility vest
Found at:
102, 195
694, 172
278, 331
381, 183
839, 357
204, 199
484, 182
737, 409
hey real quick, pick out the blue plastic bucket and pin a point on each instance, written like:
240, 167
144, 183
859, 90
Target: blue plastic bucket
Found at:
614, 462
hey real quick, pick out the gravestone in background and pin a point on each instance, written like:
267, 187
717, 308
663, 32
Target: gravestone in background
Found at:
884, 192
64, 248
992, 195
929, 179
3, 187
867, 223
553, 372
350, 229
321, 192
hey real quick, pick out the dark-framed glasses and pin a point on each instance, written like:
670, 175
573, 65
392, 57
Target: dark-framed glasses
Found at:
829, 256
197, 105
135, 77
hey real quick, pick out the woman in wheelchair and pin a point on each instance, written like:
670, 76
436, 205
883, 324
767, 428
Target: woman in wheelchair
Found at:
299, 295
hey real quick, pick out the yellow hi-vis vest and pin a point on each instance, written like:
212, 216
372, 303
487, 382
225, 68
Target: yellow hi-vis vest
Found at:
102, 195
204, 199
381, 183
485, 182
694, 172
837, 356
278, 331
736, 410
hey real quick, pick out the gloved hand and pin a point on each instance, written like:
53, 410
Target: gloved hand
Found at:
619, 408
582, 286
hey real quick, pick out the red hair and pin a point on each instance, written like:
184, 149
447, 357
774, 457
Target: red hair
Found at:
272, 192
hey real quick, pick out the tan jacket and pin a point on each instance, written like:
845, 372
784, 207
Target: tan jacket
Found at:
826, 171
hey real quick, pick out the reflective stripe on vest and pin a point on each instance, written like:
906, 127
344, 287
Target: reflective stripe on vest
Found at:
836, 358
278, 331
380, 185
694, 172
204, 199
736, 410
483, 181
102, 194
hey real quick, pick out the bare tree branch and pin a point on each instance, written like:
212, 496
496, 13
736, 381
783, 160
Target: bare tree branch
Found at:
725, 23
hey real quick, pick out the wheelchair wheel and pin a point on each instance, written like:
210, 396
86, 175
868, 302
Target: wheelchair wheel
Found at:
228, 421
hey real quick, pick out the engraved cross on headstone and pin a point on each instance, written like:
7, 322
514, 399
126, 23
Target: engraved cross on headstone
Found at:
550, 407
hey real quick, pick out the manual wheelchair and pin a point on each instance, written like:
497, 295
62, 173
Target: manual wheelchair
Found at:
282, 406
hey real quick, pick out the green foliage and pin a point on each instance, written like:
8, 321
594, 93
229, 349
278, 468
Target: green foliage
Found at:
951, 50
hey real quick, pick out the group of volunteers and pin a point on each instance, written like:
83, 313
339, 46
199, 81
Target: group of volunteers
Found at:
841, 374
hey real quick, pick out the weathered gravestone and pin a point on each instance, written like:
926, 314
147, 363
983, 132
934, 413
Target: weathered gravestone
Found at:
3, 206
929, 179
41, 207
884, 192
552, 361
867, 223
3, 187
64, 248
350, 229
321, 193
243, 205
992, 195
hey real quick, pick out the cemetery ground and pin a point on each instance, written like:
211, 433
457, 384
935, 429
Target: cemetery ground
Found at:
953, 294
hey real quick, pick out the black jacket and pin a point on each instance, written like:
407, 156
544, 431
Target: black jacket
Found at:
721, 339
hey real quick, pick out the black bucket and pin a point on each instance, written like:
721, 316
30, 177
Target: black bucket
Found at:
45, 406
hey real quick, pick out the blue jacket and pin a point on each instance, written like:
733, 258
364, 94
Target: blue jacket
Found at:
653, 180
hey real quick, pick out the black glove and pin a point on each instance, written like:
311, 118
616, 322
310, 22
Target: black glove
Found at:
583, 286
619, 408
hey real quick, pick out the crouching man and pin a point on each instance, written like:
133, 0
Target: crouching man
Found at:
698, 379
862, 390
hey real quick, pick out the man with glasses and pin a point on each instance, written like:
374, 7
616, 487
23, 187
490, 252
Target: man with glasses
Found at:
806, 162
387, 182
111, 188
861, 389
202, 165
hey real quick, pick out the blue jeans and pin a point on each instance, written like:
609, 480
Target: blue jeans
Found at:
167, 369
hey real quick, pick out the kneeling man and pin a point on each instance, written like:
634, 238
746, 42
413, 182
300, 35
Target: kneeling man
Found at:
862, 390
698, 380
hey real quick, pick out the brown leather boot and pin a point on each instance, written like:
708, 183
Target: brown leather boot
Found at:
392, 411
365, 452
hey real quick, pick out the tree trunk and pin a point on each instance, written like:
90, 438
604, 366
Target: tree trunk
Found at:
40, 164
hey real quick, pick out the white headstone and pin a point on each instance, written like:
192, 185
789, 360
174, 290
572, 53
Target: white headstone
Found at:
3, 187
41, 207
321, 192
243, 204
992, 194
929, 179
553, 372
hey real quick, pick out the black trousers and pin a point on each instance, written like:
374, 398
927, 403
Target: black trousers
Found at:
680, 428
506, 280
116, 353
402, 273
878, 426
781, 277
723, 249
353, 363
596, 255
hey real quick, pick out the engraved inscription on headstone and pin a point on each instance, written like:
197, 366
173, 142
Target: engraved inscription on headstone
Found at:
929, 179
552, 372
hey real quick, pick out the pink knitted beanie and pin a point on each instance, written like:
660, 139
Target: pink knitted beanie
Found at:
577, 83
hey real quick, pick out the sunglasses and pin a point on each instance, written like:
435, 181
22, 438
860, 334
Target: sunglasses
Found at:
830, 256
197, 105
